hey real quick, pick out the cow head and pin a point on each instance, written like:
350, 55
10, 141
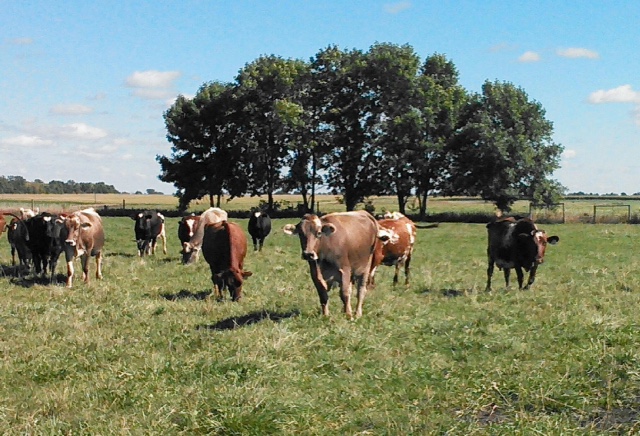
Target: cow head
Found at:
74, 228
189, 252
310, 229
233, 280
535, 244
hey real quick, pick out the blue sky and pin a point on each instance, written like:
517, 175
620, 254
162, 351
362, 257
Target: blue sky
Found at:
84, 84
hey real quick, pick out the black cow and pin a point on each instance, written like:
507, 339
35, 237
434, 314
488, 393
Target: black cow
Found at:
149, 226
45, 240
519, 244
18, 236
259, 228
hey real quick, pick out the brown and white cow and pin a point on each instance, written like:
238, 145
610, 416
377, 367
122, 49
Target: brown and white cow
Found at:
25, 214
83, 237
224, 247
187, 227
339, 249
191, 248
397, 248
516, 244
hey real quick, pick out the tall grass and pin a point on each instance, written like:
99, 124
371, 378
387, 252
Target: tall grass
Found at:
146, 351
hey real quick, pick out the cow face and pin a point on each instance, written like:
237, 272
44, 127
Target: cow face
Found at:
310, 230
189, 252
74, 228
534, 245
233, 280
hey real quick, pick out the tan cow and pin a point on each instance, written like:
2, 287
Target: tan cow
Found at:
339, 249
224, 247
191, 249
25, 214
397, 249
83, 237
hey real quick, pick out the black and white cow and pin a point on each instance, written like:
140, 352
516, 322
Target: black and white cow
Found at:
259, 228
519, 244
148, 228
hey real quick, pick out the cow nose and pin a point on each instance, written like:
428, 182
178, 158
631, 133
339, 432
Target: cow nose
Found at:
71, 242
309, 255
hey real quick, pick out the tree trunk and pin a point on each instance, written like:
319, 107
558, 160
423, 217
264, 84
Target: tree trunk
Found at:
313, 183
210, 200
402, 201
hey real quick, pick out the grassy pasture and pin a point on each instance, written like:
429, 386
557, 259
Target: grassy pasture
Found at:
144, 351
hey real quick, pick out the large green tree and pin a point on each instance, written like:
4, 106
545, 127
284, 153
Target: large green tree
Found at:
505, 150
206, 159
392, 74
267, 96
349, 117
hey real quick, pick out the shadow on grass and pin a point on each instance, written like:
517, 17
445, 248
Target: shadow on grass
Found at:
451, 293
245, 320
21, 276
185, 295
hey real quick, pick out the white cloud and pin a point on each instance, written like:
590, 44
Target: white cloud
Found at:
152, 79
529, 56
70, 109
81, 131
569, 154
395, 8
621, 94
22, 41
577, 53
27, 141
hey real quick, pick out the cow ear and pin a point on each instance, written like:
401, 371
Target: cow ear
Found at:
85, 225
246, 274
328, 229
553, 240
289, 229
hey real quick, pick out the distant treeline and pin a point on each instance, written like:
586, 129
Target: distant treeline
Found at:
19, 185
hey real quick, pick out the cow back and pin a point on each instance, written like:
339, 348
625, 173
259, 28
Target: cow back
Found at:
352, 243
402, 234
91, 237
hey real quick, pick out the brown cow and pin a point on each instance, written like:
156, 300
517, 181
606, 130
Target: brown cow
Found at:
3, 224
224, 247
519, 244
83, 237
397, 249
191, 248
339, 249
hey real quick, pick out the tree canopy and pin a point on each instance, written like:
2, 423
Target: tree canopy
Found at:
360, 123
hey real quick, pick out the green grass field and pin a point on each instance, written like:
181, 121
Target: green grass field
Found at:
144, 351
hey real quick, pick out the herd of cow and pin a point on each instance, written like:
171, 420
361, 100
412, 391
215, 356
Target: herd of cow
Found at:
342, 249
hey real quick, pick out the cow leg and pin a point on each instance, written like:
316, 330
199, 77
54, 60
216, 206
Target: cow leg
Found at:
395, 274
85, 267
407, 270
99, 265
361, 283
13, 255
218, 287
164, 241
345, 291
372, 274
520, 275
70, 272
321, 287
255, 243
489, 275
260, 243
532, 276
507, 276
